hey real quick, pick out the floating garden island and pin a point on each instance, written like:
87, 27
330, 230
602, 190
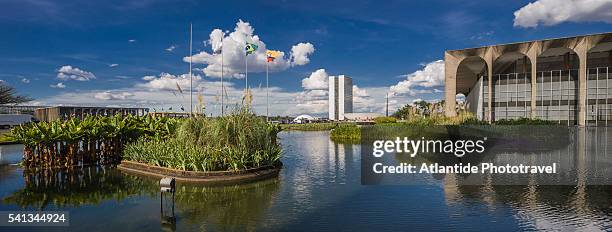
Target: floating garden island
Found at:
238, 147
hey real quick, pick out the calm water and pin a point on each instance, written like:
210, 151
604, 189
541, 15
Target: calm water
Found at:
318, 190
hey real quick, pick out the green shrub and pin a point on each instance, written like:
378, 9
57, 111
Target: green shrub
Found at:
381, 120
525, 121
346, 132
463, 118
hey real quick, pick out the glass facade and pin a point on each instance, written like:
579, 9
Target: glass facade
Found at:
556, 96
511, 95
598, 110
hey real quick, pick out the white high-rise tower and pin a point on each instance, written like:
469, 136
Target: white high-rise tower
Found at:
340, 97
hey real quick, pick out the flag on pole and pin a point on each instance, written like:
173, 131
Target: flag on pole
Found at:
250, 48
272, 54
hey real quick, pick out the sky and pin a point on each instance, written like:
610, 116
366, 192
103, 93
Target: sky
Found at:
136, 53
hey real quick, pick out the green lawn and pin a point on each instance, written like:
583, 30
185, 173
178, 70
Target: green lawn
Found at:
324, 126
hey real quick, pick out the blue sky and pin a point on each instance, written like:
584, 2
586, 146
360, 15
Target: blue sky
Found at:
118, 52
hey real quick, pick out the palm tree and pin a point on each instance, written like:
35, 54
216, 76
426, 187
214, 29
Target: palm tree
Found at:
8, 95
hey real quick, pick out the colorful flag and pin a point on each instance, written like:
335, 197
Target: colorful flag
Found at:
250, 48
272, 54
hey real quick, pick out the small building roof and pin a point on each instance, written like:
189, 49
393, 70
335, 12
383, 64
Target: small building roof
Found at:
304, 117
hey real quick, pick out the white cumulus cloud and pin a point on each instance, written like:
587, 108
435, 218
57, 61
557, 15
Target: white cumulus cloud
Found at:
68, 72
552, 12
108, 95
231, 45
58, 86
432, 75
317, 80
300, 53
166, 81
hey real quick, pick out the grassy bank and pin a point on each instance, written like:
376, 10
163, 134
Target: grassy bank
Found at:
419, 124
234, 142
309, 126
346, 132
321, 126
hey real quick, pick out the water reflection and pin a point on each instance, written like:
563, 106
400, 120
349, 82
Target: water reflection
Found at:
10, 154
235, 207
582, 159
548, 208
580, 156
229, 208
576, 207
76, 187
318, 189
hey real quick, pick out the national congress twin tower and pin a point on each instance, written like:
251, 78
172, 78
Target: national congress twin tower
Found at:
565, 80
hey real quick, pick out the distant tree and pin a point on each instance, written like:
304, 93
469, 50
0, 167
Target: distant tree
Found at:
8, 95
403, 112
422, 105
417, 108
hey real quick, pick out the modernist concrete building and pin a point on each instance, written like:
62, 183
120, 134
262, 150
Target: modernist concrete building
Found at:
564, 79
340, 97
48, 114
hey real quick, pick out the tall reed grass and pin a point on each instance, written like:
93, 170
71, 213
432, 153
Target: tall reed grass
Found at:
234, 142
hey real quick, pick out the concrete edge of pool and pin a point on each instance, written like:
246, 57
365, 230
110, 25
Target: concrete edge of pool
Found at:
213, 178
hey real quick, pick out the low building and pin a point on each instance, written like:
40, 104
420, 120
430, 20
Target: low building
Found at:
53, 113
170, 114
563, 79
304, 118
361, 117
19, 109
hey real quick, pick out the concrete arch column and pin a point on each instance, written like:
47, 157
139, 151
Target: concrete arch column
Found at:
452, 61
532, 53
582, 47
489, 56
451, 64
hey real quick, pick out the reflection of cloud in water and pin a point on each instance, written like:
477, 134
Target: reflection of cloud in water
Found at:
11, 154
321, 164
577, 207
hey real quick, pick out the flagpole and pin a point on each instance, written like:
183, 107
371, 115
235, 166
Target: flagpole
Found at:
387, 108
246, 72
222, 106
267, 93
190, 76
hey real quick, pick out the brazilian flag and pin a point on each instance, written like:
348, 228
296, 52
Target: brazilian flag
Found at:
250, 48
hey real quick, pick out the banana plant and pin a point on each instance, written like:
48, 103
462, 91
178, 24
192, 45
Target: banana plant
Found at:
92, 140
